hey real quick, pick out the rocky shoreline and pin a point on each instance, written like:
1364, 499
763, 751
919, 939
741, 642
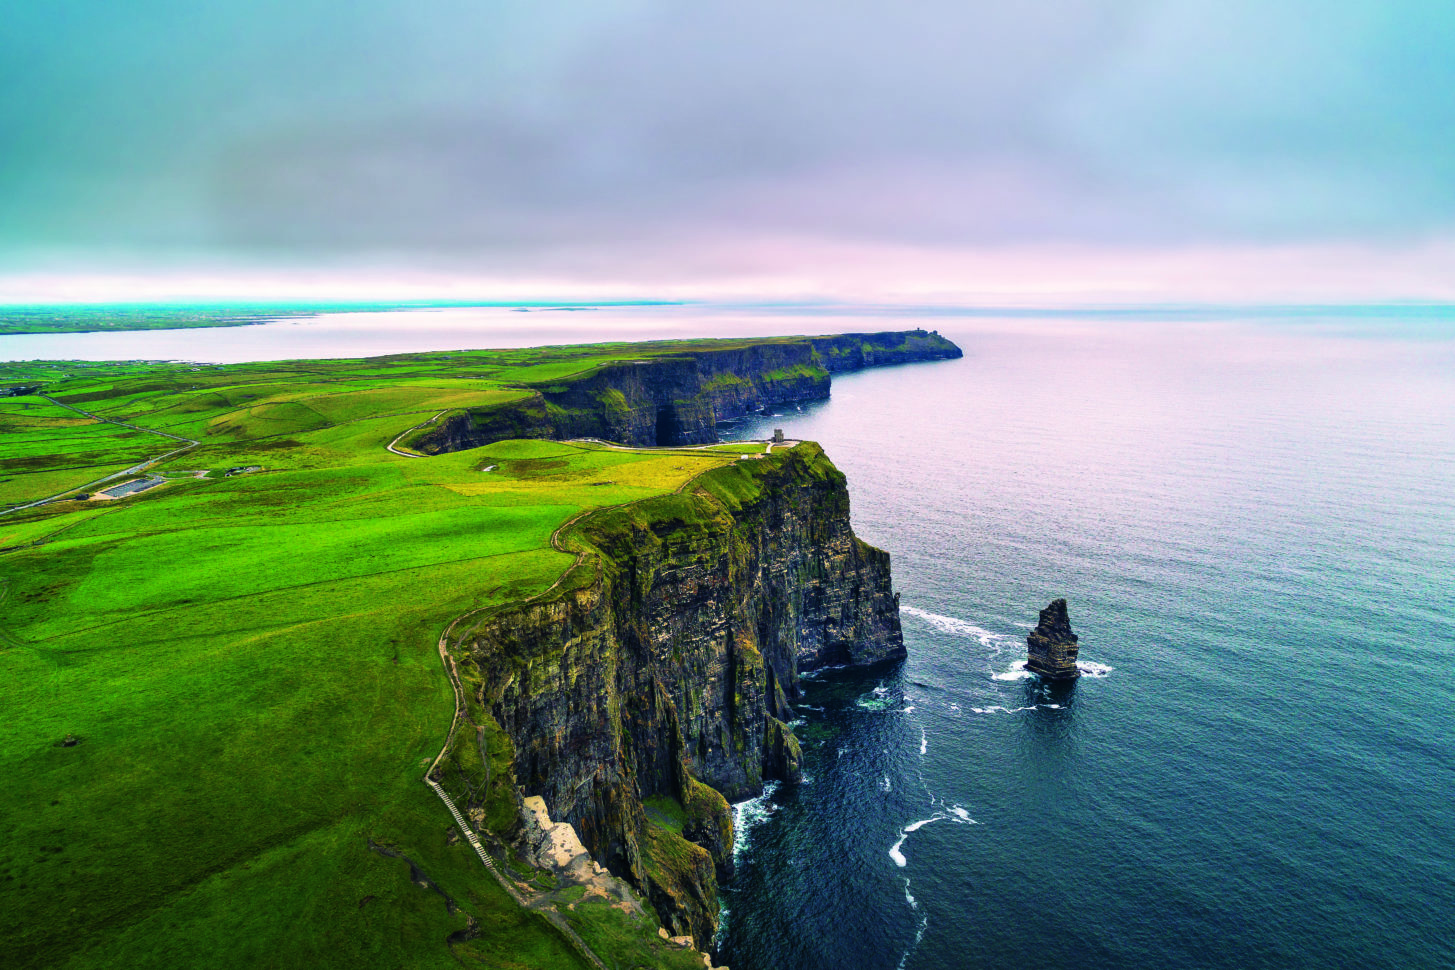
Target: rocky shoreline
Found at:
641, 696
679, 399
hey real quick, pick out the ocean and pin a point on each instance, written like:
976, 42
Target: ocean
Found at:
1254, 525
1252, 516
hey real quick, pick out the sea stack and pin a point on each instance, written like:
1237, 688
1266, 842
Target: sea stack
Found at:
1052, 646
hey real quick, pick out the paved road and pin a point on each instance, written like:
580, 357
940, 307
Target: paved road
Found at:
133, 470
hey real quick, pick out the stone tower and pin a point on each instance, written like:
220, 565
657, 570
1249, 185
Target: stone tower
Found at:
1052, 646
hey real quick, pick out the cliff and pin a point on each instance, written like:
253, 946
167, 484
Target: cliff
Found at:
677, 398
653, 684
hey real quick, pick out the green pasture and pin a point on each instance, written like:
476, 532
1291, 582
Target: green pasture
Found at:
250, 664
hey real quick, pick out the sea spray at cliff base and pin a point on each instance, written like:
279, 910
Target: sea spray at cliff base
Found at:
1243, 518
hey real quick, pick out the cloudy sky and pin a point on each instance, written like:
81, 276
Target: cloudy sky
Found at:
1046, 150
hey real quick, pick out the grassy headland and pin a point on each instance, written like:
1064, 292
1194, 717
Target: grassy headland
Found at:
221, 694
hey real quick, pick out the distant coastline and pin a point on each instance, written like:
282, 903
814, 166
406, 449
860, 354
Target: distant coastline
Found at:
121, 317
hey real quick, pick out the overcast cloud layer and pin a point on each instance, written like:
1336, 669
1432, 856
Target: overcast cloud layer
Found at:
554, 138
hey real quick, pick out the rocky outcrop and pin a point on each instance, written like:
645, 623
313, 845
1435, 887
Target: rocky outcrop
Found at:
1052, 646
856, 351
659, 674
678, 397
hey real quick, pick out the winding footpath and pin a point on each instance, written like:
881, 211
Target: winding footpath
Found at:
133, 470
452, 671
408, 454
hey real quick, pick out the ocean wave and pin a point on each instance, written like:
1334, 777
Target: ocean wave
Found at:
896, 855
1090, 668
960, 628
815, 673
924, 921
748, 814
879, 700
1019, 673
958, 815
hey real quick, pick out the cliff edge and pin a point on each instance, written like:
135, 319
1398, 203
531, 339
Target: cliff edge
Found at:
654, 683
669, 395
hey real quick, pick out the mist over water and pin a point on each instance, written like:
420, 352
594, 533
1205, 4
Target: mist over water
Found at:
1255, 528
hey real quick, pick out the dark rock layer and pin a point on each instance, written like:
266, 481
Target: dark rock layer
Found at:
1052, 646
679, 399
662, 669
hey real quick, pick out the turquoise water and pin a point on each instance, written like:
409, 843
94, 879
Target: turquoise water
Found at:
1255, 527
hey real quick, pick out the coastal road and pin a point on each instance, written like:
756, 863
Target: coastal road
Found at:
133, 470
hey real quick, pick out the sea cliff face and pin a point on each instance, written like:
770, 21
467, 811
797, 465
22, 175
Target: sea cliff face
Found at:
679, 399
654, 684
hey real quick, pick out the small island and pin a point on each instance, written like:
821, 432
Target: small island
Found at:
1051, 646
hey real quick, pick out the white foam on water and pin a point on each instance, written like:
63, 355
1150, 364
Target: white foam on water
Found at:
747, 815
919, 936
1090, 668
1009, 710
1053, 707
1019, 673
818, 671
958, 815
908, 709
885, 785
924, 741
722, 923
908, 896
955, 708
959, 628
797, 722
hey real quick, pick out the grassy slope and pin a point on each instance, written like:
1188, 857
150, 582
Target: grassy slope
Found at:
251, 665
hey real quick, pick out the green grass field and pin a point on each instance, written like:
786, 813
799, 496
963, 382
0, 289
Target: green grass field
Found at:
250, 662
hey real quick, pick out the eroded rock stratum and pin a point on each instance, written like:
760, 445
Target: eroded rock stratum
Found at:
654, 685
